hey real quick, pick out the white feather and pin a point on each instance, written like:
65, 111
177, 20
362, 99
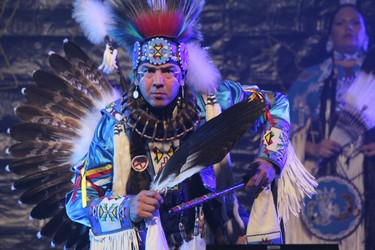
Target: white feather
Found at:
202, 74
94, 17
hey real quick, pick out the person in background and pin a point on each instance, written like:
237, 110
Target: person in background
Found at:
316, 98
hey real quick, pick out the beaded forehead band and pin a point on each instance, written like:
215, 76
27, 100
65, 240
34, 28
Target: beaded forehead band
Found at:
158, 51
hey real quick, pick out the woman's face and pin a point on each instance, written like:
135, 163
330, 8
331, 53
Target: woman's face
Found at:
348, 31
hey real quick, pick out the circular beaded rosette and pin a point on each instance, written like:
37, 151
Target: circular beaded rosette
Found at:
335, 211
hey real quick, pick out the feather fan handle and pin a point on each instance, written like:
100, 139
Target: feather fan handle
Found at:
294, 183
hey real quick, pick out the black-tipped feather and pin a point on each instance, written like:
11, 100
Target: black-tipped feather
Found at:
31, 131
30, 165
42, 192
63, 231
40, 177
84, 241
53, 101
33, 148
49, 207
77, 233
51, 226
67, 71
87, 67
211, 142
50, 81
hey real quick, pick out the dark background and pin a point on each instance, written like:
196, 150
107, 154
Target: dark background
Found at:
264, 42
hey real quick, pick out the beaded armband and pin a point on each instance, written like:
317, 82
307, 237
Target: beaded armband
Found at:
274, 143
110, 214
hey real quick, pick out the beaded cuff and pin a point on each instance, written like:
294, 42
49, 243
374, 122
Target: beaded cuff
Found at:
110, 214
274, 143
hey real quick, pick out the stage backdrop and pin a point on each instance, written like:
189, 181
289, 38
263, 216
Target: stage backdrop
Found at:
264, 42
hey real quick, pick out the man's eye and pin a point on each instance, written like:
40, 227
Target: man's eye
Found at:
167, 71
149, 71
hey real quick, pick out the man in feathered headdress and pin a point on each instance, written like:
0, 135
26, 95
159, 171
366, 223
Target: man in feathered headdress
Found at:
175, 90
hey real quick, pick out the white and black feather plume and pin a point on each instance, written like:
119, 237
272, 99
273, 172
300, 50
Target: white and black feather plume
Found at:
210, 143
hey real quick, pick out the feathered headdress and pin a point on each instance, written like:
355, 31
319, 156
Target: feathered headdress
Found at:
153, 31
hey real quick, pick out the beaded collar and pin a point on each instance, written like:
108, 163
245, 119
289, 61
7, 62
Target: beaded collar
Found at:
153, 124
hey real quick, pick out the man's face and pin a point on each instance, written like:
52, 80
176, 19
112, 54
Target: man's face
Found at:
159, 85
348, 31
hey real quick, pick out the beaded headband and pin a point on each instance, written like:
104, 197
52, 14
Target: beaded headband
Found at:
158, 51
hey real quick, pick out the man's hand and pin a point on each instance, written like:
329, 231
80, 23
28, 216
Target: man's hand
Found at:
261, 173
144, 205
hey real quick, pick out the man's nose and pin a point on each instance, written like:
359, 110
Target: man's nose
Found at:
158, 77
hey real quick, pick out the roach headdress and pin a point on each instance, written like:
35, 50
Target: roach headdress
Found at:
153, 31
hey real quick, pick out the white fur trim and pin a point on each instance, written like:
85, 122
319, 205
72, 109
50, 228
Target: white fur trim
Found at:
126, 240
294, 183
82, 144
122, 162
202, 74
94, 17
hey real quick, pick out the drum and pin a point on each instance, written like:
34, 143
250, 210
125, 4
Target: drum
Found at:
335, 211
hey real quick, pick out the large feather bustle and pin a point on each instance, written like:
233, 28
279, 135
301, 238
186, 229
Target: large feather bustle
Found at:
210, 143
93, 17
57, 125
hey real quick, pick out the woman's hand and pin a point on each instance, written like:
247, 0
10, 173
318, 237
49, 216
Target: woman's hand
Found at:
144, 205
324, 150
